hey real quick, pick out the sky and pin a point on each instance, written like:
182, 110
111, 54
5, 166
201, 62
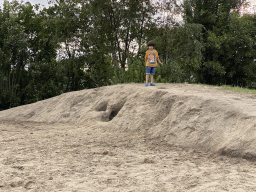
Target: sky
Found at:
33, 2
253, 2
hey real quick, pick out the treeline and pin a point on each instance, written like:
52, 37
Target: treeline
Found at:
214, 46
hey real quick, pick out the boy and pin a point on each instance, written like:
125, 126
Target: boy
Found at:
150, 60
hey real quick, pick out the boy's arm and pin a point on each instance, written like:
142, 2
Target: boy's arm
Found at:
159, 61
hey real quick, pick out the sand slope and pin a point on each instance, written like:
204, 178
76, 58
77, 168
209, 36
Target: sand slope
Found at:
199, 117
171, 137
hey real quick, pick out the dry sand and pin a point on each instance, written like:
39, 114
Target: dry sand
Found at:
171, 137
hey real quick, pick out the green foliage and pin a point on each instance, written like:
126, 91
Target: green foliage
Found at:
228, 41
171, 72
136, 71
210, 14
100, 71
187, 49
13, 58
232, 52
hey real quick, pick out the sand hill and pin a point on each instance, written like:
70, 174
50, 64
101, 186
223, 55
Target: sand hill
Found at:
126, 119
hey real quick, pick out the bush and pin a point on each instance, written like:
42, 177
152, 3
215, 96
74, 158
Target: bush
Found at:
169, 73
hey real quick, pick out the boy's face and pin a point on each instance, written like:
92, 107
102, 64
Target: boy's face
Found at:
150, 47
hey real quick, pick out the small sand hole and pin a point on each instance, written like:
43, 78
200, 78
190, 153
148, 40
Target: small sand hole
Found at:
115, 109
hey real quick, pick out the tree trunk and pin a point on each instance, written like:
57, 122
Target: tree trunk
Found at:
141, 30
126, 49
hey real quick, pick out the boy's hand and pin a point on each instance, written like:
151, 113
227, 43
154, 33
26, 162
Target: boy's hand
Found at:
161, 63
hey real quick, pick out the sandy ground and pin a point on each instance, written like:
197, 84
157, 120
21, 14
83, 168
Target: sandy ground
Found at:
125, 138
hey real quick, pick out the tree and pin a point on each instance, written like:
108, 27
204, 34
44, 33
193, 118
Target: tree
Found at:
216, 17
13, 58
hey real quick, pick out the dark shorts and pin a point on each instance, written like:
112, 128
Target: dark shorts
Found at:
150, 70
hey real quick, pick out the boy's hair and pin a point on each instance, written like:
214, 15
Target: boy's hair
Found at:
151, 43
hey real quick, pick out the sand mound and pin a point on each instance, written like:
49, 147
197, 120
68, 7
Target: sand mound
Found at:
190, 116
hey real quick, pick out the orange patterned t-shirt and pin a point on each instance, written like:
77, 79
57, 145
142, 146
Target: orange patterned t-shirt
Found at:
151, 57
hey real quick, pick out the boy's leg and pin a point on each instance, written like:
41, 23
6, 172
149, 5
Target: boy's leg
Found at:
152, 74
147, 76
151, 77
148, 69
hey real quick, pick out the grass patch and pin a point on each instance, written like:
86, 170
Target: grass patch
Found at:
231, 88
238, 89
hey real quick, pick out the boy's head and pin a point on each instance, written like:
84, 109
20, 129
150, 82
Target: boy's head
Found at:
151, 45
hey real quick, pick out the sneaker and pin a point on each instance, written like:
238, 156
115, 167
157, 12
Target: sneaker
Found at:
152, 84
146, 84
